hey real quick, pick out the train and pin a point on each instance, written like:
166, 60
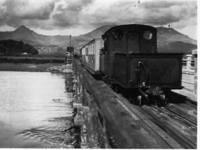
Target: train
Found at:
127, 58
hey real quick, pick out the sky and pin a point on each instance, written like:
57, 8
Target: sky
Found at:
75, 17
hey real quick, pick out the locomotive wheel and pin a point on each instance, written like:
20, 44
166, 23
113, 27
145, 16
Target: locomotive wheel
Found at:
116, 88
163, 100
139, 100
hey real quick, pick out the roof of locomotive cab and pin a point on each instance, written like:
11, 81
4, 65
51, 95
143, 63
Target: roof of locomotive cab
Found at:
128, 27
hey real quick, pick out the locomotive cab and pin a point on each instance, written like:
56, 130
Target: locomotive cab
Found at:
130, 59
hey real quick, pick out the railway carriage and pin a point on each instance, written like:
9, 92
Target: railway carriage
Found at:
128, 58
90, 55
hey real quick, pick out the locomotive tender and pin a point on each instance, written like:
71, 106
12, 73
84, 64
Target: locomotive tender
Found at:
127, 57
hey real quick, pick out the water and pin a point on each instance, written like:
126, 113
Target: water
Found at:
35, 110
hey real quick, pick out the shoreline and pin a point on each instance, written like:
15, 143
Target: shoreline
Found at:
32, 59
28, 67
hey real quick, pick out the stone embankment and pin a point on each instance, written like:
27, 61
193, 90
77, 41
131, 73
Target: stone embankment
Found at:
86, 129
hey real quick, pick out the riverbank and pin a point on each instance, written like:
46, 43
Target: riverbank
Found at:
31, 59
31, 67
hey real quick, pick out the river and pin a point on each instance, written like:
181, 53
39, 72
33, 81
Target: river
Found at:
35, 110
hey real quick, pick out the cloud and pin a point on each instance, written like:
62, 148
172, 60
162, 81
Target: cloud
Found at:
46, 14
147, 12
17, 12
29, 9
79, 14
67, 12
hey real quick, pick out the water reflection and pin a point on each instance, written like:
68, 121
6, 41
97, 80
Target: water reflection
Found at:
35, 110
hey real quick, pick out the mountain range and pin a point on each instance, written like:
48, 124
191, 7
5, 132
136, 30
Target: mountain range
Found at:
169, 40
29, 36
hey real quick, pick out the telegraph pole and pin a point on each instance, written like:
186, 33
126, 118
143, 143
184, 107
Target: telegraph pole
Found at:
69, 51
70, 38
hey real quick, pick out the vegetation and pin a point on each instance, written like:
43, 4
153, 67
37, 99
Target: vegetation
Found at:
16, 48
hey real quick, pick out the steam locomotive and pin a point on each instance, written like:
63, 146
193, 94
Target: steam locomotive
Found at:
127, 58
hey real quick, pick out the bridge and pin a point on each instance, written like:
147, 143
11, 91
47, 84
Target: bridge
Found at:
111, 119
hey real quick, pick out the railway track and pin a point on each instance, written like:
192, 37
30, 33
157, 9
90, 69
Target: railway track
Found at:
176, 120
175, 123
181, 129
189, 114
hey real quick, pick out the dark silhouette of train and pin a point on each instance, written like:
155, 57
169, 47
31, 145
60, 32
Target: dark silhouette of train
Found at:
127, 58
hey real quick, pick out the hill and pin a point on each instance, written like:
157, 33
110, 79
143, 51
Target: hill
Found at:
28, 36
46, 45
80, 40
169, 40
11, 47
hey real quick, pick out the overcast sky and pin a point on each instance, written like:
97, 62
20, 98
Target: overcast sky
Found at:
53, 17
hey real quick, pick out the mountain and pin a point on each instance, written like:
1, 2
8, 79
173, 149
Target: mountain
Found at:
80, 40
97, 33
28, 36
46, 45
169, 40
